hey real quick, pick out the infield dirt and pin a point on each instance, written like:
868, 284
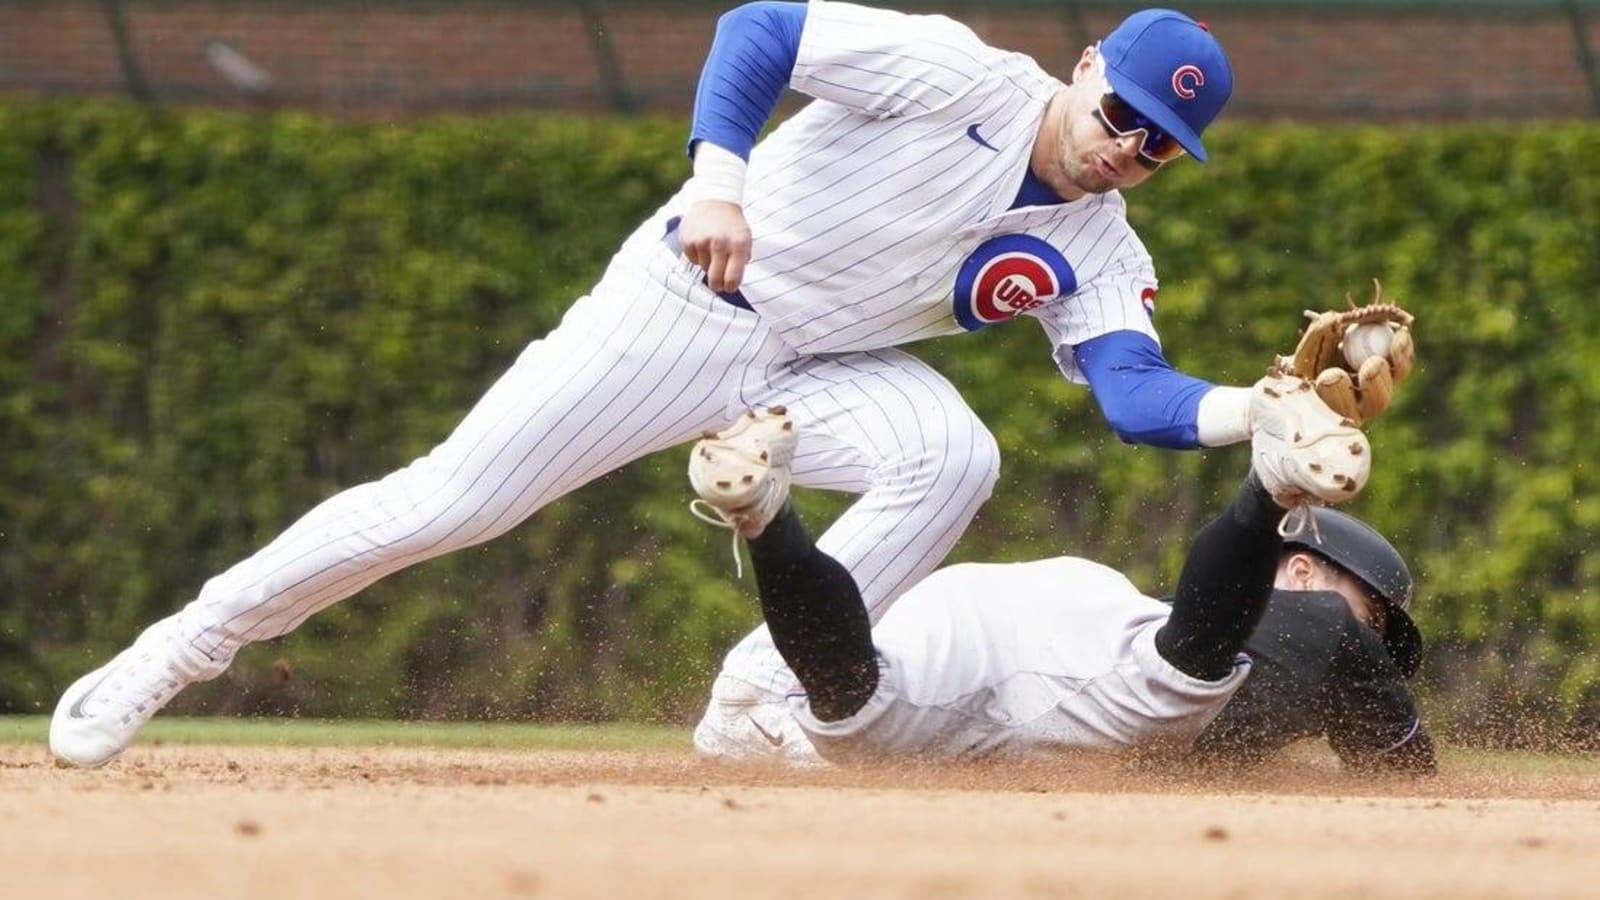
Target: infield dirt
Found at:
227, 822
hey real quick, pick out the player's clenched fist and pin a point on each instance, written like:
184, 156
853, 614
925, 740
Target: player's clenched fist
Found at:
716, 237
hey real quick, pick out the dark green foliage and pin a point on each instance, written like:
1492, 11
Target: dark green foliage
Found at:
210, 322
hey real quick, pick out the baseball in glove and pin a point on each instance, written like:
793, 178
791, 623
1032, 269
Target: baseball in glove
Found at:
1355, 357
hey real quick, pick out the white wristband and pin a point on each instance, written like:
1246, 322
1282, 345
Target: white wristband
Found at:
718, 175
1223, 417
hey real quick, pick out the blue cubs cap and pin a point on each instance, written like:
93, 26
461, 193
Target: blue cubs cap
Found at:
1171, 70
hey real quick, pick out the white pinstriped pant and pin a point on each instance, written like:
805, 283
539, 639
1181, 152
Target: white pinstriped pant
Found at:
650, 359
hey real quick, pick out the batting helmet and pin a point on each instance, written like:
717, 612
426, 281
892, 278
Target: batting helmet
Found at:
1359, 549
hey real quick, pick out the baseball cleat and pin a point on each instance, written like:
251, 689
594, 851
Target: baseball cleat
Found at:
100, 713
1301, 449
746, 724
742, 472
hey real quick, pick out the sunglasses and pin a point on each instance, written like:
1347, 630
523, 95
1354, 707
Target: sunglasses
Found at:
1120, 119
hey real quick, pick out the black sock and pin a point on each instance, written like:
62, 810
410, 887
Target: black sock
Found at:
817, 618
1226, 583
783, 541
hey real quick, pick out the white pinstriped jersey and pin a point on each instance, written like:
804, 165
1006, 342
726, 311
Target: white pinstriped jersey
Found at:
880, 211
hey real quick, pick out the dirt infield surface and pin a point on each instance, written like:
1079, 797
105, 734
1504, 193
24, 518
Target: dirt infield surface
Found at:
173, 822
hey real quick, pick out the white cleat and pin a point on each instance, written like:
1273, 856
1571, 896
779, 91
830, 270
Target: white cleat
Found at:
742, 472
746, 724
100, 713
1301, 450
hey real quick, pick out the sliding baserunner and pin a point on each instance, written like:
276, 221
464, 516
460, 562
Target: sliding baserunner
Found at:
1023, 658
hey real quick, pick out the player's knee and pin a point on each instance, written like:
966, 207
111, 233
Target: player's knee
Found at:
979, 452
986, 459
966, 461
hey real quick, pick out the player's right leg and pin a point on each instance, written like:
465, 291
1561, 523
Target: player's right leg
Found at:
1301, 451
649, 360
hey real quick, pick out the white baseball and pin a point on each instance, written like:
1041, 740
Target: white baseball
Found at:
1362, 342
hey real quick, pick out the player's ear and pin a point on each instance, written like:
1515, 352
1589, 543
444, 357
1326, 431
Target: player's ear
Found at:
1085, 64
1300, 570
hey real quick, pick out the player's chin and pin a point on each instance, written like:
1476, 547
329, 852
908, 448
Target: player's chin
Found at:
1091, 180
1091, 183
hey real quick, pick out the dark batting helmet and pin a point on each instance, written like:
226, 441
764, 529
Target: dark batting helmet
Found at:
1359, 549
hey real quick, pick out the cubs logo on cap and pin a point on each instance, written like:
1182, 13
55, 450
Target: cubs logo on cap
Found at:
1171, 70
1185, 79
1148, 298
1007, 276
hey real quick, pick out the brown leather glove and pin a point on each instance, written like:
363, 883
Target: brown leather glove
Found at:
1355, 357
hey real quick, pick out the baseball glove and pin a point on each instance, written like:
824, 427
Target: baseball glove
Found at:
1355, 357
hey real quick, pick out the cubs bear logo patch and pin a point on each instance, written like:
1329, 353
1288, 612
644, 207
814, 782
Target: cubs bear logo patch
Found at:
1006, 276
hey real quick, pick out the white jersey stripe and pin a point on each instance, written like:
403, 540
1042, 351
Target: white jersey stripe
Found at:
821, 162
972, 487
871, 186
804, 158
893, 65
839, 266
841, 88
827, 232
839, 56
685, 420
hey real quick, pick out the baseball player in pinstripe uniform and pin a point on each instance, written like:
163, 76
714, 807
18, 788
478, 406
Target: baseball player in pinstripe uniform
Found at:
1026, 658
934, 186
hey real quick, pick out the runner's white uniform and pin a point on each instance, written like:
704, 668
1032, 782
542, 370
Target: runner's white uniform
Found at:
1016, 659
879, 216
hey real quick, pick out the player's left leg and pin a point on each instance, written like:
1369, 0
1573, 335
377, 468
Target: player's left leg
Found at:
808, 600
643, 362
890, 427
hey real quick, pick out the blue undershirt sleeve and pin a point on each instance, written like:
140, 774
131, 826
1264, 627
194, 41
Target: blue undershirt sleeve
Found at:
1145, 400
746, 70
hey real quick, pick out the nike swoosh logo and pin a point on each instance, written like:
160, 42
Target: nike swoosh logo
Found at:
972, 132
76, 711
775, 740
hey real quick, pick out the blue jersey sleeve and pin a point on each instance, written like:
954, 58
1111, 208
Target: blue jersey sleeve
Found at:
1142, 396
749, 65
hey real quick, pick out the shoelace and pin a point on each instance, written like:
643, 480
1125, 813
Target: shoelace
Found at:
1302, 518
715, 517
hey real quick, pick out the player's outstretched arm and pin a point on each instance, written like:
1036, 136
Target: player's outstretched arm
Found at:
1225, 584
1147, 401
